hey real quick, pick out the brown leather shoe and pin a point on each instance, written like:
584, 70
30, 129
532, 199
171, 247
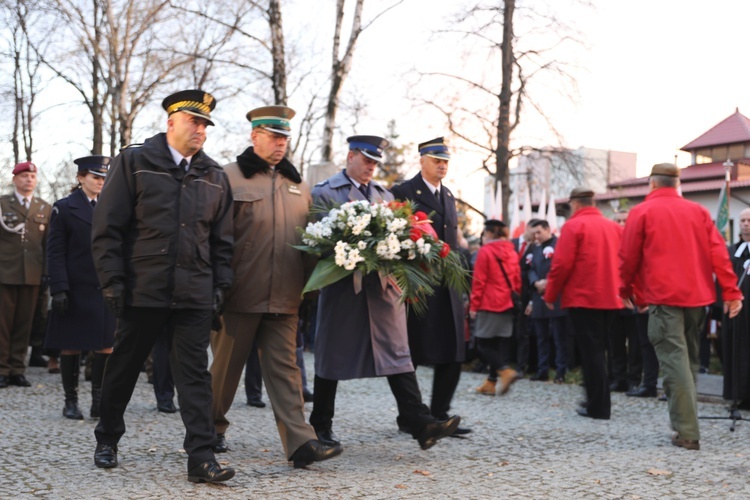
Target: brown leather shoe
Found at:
487, 387
688, 444
508, 377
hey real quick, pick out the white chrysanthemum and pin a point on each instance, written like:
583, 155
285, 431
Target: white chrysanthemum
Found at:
361, 244
396, 225
340, 253
381, 248
407, 244
412, 255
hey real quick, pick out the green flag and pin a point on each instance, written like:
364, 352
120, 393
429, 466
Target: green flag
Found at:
722, 213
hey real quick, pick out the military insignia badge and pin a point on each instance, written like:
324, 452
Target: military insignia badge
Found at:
294, 189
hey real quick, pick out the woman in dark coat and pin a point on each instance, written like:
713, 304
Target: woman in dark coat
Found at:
79, 320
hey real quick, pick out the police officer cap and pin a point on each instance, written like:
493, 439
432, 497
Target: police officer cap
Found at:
371, 146
581, 192
668, 169
272, 118
193, 102
437, 148
489, 223
24, 166
96, 164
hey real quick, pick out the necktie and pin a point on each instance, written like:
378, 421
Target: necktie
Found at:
25, 203
184, 164
365, 191
93, 203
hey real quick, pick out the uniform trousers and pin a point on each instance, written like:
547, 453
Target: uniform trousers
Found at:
674, 333
160, 369
592, 327
17, 306
276, 335
413, 413
650, 362
136, 333
554, 328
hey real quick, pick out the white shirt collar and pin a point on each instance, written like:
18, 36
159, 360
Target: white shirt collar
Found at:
21, 197
177, 157
430, 186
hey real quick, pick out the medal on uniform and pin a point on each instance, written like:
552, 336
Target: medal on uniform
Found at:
294, 189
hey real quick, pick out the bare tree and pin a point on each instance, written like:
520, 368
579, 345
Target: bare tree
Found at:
504, 85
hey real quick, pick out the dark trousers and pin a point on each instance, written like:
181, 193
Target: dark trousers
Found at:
136, 334
624, 351
253, 376
444, 383
554, 328
495, 352
414, 413
522, 333
161, 371
592, 327
650, 361
17, 305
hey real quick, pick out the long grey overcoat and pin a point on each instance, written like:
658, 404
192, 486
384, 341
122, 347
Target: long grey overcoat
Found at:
358, 334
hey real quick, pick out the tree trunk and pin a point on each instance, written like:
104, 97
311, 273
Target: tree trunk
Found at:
277, 52
502, 174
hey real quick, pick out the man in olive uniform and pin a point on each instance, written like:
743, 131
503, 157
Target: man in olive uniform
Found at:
437, 339
362, 333
23, 237
270, 202
162, 246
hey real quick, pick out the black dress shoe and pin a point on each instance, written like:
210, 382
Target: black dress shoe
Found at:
19, 380
584, 412
460, 432
641, 392
105, 456
210, 472
4, 382
540, 377
328, 438
72, 411
621, 386
257, 403
314, 451
437, 430
221, 445
166, 407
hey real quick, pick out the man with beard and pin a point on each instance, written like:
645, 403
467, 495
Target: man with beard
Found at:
270, 202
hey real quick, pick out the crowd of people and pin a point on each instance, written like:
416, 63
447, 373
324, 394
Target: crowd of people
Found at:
173, 255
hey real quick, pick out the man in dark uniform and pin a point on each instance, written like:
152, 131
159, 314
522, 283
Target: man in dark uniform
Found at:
362, 333
437, 339
25, 221
739, 254
162, 244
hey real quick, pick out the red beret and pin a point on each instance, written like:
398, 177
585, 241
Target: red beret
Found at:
25, 166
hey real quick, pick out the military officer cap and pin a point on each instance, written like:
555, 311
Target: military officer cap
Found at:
371, 146
437, 148
491, 223
96, 164
272, 118
193, 102
581, 192
24, 166
668, 169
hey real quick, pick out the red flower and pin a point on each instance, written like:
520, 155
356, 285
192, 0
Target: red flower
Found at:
445, 250
414, 234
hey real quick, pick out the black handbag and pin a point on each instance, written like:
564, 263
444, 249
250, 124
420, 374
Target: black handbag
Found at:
514, 297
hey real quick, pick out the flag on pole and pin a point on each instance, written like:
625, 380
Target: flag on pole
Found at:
517, 226
527, 206
722, 213
498, 201
552, 215
542, 205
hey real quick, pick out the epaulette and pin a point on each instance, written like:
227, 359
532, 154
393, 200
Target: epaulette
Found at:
134, 145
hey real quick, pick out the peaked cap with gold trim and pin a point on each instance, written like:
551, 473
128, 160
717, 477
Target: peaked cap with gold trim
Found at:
193, 102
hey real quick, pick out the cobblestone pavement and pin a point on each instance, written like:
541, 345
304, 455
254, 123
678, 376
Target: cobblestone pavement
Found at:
528, 444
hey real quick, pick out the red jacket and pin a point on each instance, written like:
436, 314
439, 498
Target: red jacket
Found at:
584, 269
673, 247
489, 290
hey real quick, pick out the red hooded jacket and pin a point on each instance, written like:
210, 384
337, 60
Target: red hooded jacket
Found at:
489, 289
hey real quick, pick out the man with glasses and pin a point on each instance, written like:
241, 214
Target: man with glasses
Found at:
270, 202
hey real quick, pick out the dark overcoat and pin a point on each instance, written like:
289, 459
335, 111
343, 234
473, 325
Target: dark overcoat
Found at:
735, 333
437, 336
358, 334
538, 269
87, 325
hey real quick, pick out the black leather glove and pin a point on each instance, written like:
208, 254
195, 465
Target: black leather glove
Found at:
114, 297
218, 302
60, 302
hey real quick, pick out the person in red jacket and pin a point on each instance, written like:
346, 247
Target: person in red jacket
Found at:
496, 272
673, 248
585, 273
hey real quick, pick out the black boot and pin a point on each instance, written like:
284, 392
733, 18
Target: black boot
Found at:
69, 370
97, 375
